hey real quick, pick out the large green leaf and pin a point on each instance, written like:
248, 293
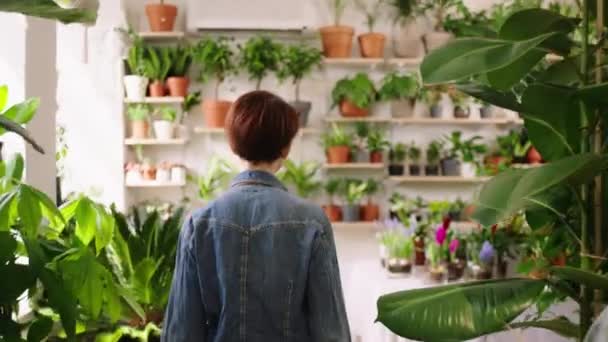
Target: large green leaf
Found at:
50, 10
86, 220
509, 75
14, 167
594, 94
506, 100
86, 278
467, 57
29, 211
144, 271
23, 112
514, 190
580, 276
3, 96
8, 246
457, 312
105, 229
8, 210
560, 325
39, 329
16, 279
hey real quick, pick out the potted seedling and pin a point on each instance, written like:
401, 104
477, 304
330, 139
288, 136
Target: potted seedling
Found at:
159, 63
337, 144
353, 192
400, 249
360, 152
456, 266
214, 58
302, 177
260, 56
161, 16
436, 267
333, 211
371, 44
376, 145
370, 211
432, 97
460, 102
354, 96
164, 125
138, 116
413, 155
407, 41
401, 90
163, 172
298, 61
433, 155
396, 156
438, 37
136, 81
337, 39
178, 81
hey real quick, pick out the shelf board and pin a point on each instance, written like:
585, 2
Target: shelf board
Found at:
526, 166
360, 225
158, 100
154, 184
371, 62
369, 119
451, 121
152, 141
355, 166
147, 35
207, 130
438, 179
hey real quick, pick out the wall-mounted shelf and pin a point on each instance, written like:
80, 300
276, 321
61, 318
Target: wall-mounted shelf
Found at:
152, 141
368, 119
152, 36
374, 62
526, 166
355, 166
208, 130
452, 121
355, 225
154, 184
438, 179
158, 100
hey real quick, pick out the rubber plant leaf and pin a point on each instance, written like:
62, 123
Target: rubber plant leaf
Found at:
52, 10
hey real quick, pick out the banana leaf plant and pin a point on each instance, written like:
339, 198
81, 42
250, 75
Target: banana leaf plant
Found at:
564, 113
65, 11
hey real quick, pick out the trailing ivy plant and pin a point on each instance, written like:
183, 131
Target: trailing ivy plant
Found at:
563, 107
297, 61
260, 56
215, 58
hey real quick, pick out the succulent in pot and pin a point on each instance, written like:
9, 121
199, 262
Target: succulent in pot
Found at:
433, 155
297, 61
259, 56
460, 102
376, 145
136, 82
408, 29
337, 145
138, 116
353, 192
440, 9
401, 90
164, 125
413, 155
302, 177
161, 16
215, 59
158, 65
396, 156
337, 39
370, 211
354, 96
371, 44
332, 186
181, 60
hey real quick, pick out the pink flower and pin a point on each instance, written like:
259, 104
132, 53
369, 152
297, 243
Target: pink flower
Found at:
454, 245
440, 235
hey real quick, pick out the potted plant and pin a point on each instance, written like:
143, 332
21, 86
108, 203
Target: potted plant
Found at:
370, 211
164, 125
332, 187
337, 144
432, 97
433, 155
217, 174
192, 100
456, 266
376, 145
371, 44
138, 116
407, 37
215, 60
419, 244
259, 56
461, 151
354, 96
401, 90
400, 249
482, 256
136, 81
438, 37
148, 170
337, 39
436, 268
178, 81
297, 61
159, 64
459, 100
485, 109
353, 192
396, 156
161, 16
302, 177
133, 173
413, 155
360, 152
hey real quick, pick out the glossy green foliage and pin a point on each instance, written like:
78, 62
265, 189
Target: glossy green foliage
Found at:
158, 63
181, 58
259, 57
395, 86
336, 137
303, 177
52, 10
19, 114
359, 90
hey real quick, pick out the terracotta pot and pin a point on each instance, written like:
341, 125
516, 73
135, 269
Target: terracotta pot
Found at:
337, 41
407, 40
215, 112
370, 212
559, 260
333, 212
157, 89
375, 157
349, 109
139, 129
534, 156
437, 275
338, 154
149, 172
161, 17
420, 257
371, 45
493, 163
178, 86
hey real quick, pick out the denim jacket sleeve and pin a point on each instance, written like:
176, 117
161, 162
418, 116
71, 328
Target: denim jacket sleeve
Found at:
328, 320
185, 317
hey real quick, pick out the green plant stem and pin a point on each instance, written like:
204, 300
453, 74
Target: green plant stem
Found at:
258, 84
297, 87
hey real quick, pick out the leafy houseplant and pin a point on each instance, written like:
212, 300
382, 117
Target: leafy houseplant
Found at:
370, 211
440, 9
302, 177
461, 151
459, 100
353, 192
396, 156
432, 97
413, 155
337, 39
337, 144
215, 59
297, 62
164, 126
136, 81
376, 144
401, 90
178, 81
407, 41
360, 152
332, 186
192, 100
218, 172
433, 156
259, 56
400, 247
354, 96
159, 64
161, 16
371, 44
138, 115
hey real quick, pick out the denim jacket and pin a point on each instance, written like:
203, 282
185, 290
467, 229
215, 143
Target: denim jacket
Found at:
256, 265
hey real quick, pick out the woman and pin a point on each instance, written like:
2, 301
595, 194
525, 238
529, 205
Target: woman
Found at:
258, 264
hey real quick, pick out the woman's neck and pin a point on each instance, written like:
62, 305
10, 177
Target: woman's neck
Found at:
267, 167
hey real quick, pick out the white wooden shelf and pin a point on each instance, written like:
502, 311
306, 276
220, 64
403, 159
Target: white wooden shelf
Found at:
355, 166
158, 100
452, 121
154, 184
372, 62
359, 225
162, 35
526, 166
207, 130
152, 141
438, 179
369, 119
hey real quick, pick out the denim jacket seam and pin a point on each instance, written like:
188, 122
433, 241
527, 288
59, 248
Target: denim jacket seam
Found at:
221, 223
285, 223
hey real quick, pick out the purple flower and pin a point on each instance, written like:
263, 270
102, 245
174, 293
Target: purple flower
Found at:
454, 245
440, 235
487, 252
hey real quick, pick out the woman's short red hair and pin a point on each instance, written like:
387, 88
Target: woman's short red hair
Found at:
260, 125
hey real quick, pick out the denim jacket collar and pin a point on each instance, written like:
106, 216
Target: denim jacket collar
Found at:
257, 177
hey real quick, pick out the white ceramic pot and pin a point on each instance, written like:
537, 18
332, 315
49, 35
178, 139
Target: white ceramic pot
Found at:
468, 170
164, 130
407, 38
163, 175
178, 174
135, 87
133, 176
402, 108
436, 40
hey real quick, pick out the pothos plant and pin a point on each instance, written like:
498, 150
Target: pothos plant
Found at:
297, 61
260, 56
302, 177
563, 107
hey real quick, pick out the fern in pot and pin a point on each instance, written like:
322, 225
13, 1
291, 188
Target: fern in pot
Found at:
164, 124
376, 145
371, 44
370, 211
138, 115
159, 63
396, 156
259, 57
333, 211
352, 192
337, 39
337, 145
433, 155
178, 81
354, 96
215, 59
413, 155
136, 80
298, 61
408, 29
401, 91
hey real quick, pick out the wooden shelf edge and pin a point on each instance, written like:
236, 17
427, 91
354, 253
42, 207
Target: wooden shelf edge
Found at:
437, 179
157, 100
135, 142
153, 184
354, 166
